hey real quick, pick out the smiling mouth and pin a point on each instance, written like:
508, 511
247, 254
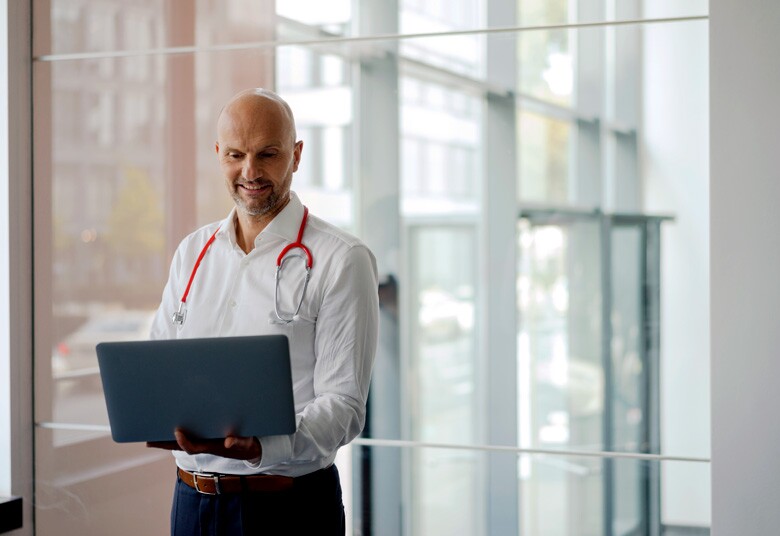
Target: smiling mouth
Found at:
254, 187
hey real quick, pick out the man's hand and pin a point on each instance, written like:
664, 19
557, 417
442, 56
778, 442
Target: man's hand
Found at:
239, 448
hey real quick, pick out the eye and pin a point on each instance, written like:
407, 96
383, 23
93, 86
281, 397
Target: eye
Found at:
234, 155
268, 154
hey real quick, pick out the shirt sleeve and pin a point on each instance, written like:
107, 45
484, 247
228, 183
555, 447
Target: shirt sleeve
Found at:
162, 324
345, 345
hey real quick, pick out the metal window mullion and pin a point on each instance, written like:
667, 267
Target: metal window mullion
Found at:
498, 272
652, 279
646, 319
498, 275
383, 487
606, 359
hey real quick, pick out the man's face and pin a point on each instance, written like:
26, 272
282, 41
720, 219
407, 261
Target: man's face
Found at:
258, 156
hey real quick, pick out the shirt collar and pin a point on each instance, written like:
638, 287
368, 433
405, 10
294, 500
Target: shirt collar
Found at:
285, 225
227, 227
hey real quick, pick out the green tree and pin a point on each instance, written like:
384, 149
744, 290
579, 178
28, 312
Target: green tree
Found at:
135, 227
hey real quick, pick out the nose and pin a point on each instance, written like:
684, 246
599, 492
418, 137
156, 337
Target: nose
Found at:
251, 169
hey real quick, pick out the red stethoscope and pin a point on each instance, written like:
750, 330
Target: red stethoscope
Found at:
179, 316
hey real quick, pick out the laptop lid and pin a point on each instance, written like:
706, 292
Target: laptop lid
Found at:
210, 387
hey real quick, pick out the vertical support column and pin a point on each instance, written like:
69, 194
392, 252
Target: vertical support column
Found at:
652, 363
589, 101
44, 321
625, 189
42, 240
584, 265
377, 139
587, 181
499, 267
180, 100
16, 329
622, 83
606, 360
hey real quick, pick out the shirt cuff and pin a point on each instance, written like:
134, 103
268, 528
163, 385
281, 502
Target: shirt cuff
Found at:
276, 449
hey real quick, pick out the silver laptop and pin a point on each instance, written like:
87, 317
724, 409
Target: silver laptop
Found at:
211, 387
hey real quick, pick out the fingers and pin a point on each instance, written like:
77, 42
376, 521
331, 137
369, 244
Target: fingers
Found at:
196, 446
167, 445
238, 443
244, 448
182, 441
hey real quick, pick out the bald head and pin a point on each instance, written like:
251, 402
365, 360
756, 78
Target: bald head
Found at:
258, 154
258, 108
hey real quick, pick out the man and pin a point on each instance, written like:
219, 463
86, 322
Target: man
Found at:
279, 484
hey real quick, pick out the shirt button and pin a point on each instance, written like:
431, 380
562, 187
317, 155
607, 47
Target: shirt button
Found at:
233, 303
244, 262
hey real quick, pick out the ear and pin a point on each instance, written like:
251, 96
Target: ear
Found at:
297, 155
216, 146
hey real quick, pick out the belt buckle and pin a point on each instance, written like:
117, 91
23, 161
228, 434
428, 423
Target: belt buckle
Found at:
214, 476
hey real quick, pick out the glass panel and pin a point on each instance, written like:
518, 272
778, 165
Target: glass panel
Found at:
675, 151
318, 87
547, 66
444, 333
130, 169
440, 148
545, 155
462, 54
565, 497
124, 168
561, 390
558, 496
444, 398
77, 26
105, 489
579, 159
561, 496
117, 215
332, 17
452, 509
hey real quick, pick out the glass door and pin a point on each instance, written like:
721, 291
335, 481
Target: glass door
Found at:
588, 338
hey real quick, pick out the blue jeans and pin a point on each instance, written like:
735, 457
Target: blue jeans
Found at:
312, 506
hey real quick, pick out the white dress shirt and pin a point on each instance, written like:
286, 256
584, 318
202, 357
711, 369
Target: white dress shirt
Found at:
332, 342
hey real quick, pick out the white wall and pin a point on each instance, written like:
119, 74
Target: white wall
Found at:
675, 166
745, 262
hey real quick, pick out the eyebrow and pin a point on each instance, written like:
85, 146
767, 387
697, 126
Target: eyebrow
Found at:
274, 145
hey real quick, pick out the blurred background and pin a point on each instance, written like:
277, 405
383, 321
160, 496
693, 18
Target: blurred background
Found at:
533, 179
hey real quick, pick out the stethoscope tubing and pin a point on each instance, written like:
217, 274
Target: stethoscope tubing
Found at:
280, 262
179, 316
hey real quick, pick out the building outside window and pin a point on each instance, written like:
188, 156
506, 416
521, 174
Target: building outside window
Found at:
532, 226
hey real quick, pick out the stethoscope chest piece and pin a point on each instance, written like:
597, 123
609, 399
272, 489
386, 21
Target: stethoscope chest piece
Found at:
280, 316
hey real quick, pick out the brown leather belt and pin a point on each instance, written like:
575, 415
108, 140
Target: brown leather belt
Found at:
213, 484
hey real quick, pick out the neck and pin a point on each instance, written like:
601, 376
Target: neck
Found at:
248, 226
247, 230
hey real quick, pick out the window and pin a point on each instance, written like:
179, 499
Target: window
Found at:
532, 221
